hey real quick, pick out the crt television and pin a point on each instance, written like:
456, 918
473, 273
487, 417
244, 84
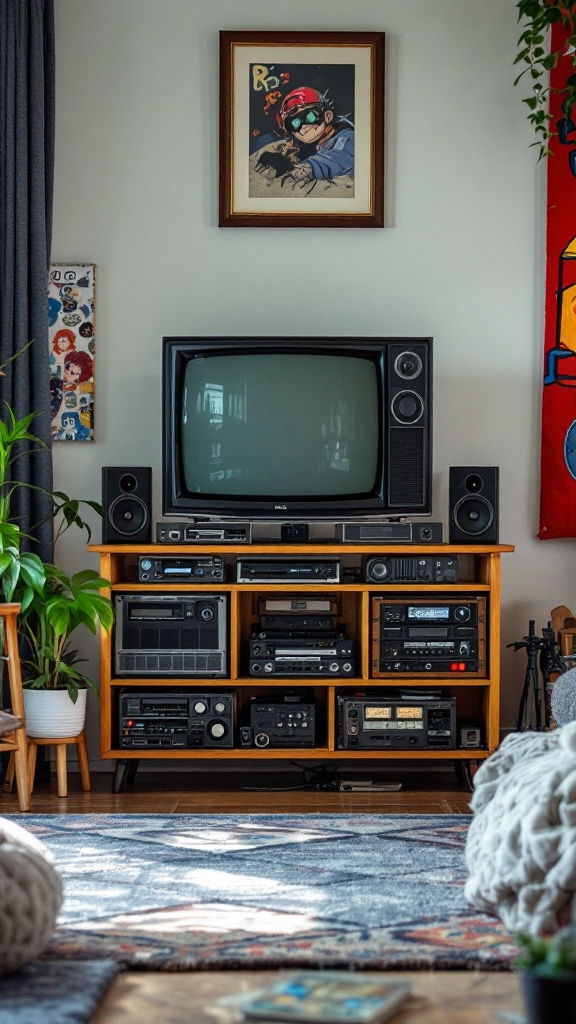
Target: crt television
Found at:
297, 428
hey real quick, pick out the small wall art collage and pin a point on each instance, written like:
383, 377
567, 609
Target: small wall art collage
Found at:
72, 341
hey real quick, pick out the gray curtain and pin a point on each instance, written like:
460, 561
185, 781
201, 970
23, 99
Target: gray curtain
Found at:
26, 187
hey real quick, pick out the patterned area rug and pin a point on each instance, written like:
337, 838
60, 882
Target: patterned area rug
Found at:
178, 892
56, 992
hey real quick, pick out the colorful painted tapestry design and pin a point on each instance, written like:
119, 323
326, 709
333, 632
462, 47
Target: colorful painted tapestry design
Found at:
558, 448
71, 327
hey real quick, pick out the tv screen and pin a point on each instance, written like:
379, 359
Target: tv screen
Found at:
296, 428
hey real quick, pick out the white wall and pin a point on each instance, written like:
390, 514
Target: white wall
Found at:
461, 258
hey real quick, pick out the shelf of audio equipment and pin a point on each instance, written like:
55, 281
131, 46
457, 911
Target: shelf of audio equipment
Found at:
274, 651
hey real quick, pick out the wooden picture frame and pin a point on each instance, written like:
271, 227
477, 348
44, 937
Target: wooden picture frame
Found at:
301, 129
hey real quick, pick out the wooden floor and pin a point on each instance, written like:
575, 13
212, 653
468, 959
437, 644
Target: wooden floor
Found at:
448, 997
422, 792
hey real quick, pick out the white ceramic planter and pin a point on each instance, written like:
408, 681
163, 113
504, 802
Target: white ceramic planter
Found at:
51, 714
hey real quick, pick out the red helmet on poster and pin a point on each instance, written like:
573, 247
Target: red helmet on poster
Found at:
297, 99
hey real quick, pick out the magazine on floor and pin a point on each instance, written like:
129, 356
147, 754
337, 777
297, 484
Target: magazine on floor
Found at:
326, 997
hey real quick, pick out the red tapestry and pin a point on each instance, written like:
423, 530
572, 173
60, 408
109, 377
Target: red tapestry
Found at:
558, 452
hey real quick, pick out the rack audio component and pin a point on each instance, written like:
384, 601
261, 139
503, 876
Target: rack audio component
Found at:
375, 721
159, 634
204, 533
288, 570
176, 718
203, 569
276, 721
302, 656
389, 533
430, 635
411, 569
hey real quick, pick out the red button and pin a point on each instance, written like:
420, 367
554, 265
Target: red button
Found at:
454, 666
462, 666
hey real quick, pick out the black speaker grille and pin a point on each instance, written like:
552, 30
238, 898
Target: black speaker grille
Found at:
151, 639
128, 514
473, 515
200, 638
407, 471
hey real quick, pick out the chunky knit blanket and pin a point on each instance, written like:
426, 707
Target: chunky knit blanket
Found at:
521, 845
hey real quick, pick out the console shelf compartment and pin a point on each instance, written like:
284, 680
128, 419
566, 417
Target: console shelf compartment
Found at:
477, 696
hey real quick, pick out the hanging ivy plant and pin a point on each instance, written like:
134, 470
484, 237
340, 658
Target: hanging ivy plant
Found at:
534, 51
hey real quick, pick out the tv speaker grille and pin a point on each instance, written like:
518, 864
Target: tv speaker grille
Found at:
407, 466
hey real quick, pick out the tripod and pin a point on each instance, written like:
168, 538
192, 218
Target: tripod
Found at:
533, 645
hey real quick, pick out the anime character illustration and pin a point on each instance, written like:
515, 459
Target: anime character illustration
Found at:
72, 428
302, 138
78, 368
63, 341
72, 390
72, 347
307, 117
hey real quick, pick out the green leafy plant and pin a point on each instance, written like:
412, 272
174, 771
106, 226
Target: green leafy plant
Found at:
553, 957
23, 569
46, 624
534, 52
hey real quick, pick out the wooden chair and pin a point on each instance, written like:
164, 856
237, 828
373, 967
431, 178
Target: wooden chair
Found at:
16, 741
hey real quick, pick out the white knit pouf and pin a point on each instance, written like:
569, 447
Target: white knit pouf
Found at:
564, 698
30, 897
521, 844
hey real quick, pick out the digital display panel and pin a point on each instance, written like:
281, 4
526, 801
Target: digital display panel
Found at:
155, 612
439, 612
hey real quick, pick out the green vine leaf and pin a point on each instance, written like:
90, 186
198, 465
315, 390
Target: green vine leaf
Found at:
537, 18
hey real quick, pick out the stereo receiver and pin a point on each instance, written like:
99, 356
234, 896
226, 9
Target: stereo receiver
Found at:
393, 720
176, 718
280, 570
389, 533
411, 569
302, 656
277, 721
203, 569
428, 635
170, 634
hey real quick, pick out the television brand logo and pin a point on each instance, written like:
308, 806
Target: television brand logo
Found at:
280, 506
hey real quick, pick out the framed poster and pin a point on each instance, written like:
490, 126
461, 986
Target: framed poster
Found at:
72, 343
302, 129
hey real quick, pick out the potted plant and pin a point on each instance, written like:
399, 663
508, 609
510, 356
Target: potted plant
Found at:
54, 689
537, 58
547, 968
51, 604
